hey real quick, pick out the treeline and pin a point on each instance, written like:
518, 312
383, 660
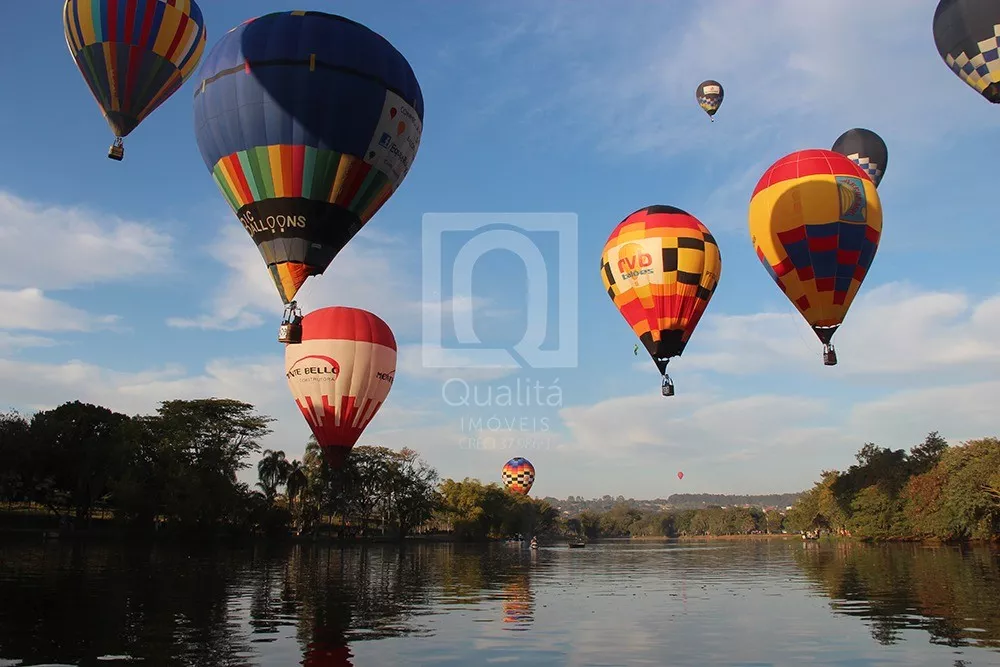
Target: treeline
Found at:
679, 501
622, 520
931, 491
177, 471
705, 500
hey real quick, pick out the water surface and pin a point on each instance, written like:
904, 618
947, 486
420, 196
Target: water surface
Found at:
612, 603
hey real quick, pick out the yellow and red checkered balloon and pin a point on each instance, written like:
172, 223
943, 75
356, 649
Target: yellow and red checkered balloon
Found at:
661, 266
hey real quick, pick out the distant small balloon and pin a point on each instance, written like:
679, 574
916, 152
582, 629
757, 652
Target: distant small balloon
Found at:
709, 95
680, 475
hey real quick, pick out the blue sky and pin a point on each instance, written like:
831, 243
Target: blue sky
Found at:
130, 283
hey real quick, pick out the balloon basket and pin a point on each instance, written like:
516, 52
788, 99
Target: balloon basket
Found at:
829, 355
667, 388
117, 151
290, 331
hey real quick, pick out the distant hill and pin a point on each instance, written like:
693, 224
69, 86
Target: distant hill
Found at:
573, 505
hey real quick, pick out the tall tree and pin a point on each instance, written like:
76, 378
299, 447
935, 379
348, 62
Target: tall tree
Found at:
210, 440
81, 452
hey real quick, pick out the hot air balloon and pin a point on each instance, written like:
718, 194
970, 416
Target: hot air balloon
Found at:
680, 475
518, 475
133, 54
967, 35
815, 222
866, 149
308, 122
709, 94
661, 266
340, 375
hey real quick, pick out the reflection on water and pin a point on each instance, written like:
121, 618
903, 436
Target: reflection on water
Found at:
952, 594
705, 603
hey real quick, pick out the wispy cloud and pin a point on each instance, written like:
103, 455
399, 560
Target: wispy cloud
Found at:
59, 247
30, 310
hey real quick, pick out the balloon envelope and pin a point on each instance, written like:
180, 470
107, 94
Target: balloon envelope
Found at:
133, 54
518, 475
340, 375
815, 222
709, 94
661, 266
866, 149
966, 34
308, 122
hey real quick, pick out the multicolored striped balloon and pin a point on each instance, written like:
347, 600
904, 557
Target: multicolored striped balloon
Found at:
340, 375
815, 222
308, 122
133, 54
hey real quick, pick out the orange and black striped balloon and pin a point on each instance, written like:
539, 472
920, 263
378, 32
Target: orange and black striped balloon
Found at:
661, 266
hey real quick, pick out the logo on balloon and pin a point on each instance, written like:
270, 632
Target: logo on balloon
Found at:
633, 261
400, 128
392, 112
852, 199
314, 367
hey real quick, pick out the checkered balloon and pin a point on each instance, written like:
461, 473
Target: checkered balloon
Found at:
518, 475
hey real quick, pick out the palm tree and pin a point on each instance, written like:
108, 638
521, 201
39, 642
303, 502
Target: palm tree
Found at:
295, 483
273, 471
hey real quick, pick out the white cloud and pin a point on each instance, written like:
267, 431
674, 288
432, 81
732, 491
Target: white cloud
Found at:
890, 329
12, 342
29, 309
760, 444
58, 247
959, 412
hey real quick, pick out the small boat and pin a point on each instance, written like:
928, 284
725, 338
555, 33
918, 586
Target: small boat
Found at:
577, 545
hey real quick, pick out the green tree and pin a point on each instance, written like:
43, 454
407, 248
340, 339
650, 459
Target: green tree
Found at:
926, 455
206, 443
80, 452
410, 491
14, 451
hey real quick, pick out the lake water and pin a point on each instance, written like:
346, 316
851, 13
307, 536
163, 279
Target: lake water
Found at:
613, 603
